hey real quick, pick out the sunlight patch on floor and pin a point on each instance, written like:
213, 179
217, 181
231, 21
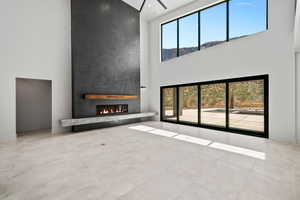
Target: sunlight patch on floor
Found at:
142, 128
194, 140
163, 133
200, 141
238, 150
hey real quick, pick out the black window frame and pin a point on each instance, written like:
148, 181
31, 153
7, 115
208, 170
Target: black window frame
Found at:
161, 41
214, 125
175, 104
199, 23
178, 31
198, 101
228, 23
264, 134
227, 18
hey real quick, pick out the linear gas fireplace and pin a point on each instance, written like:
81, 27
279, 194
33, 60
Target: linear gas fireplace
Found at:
112, 109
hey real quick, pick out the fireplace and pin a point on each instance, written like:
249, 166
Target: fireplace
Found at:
111, 109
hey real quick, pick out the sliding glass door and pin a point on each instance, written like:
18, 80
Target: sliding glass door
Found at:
188, 104
213, 104
237, 105
169, 107
246, 105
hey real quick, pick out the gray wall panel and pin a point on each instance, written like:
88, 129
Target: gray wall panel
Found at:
105, 53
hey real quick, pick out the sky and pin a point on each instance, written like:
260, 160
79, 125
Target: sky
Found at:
245, 17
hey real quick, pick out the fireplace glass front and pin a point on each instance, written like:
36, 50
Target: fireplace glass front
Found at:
111, 109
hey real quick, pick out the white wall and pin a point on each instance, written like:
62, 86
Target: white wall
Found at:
35, 43
269, 52
298, 96
297, 27
297, 48
144, 64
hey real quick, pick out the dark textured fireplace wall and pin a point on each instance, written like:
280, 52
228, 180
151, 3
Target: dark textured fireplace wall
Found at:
105, 55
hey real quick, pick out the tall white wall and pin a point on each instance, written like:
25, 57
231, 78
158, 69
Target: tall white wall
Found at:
297, 27
298, 96
144, 61
297, 48
270, 52
35, 43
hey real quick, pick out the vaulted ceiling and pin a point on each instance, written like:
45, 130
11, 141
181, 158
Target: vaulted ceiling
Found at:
153, 9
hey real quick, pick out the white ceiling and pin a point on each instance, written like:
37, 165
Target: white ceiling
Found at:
153, 9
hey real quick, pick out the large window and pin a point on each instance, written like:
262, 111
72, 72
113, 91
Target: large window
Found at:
169, 43
237, 105
188, 34
247, 17
210, 26
213, 26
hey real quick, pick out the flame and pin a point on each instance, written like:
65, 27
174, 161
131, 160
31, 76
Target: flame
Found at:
112, 110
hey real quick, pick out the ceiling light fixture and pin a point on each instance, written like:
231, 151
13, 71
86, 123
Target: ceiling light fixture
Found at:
159, 1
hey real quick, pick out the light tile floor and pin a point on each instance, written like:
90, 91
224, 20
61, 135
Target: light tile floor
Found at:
149, 161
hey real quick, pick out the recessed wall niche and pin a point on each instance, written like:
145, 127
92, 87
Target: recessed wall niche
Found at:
33, 106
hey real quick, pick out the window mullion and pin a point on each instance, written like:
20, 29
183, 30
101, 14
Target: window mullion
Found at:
199, 31
227, 104
177, 37
267, 14
161, 42
227, 20
177, 104
199, 105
